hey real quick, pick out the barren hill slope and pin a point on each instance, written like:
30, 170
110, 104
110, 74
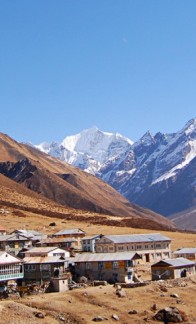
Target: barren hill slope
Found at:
66, 185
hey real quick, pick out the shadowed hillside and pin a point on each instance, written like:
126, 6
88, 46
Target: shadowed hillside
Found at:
67, 186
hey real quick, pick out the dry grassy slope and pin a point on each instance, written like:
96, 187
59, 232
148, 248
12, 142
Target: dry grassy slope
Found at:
80, 190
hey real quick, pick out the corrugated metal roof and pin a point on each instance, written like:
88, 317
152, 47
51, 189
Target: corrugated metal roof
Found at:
51, 259
70, 231
178, 262
137, 238
27, 232
186, 251
58, 240
6, 258
90, 237
43, 249
94, 257
13, 237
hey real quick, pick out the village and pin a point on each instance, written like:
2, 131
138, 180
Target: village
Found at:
53, 265
70, 257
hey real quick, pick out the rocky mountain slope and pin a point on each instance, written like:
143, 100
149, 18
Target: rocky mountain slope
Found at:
64, 185
186, 220
157, 172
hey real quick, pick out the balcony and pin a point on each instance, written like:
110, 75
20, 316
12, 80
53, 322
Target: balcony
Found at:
11, 276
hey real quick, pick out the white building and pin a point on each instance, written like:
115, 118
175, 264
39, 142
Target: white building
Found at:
11, 268
88, 243
47, 251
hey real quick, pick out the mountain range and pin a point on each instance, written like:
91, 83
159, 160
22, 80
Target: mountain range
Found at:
156, 172
34, 181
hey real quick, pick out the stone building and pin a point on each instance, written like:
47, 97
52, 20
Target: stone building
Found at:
151, 247
112, 267
172, 269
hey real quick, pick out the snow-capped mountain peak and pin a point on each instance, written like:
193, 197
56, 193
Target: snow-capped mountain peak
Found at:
142, 171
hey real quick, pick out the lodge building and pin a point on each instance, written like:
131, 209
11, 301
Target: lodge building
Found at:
151, 247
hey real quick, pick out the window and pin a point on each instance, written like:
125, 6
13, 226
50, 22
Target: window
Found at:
45, 267
30, 267
128, 263
100, 265
115, 265
59, 254
120, 248
88, 265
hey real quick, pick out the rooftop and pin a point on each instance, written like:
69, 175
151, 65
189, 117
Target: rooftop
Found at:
6, 258
94, 257
70, 231
137, 238
43, 249
47, 259
177, 262
185, 251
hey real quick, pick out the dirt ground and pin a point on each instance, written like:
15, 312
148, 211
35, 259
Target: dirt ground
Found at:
83, 304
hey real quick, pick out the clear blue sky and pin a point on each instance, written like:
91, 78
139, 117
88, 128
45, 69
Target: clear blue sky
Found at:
126, 66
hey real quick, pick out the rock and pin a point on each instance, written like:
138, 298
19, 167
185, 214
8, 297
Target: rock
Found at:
99, 319
170, 314
61, 318
154, 307
52, 224
39, 315
133, 311
163, 288
118, 287
121, 293
115, 317
83, 280
162, 295
174, 295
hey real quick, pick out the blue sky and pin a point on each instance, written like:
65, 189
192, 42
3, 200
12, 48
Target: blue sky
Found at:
126, 66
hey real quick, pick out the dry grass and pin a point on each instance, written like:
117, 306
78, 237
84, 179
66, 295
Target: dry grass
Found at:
22, 219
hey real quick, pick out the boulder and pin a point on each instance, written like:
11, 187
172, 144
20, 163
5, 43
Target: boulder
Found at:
52, 224
174, 295
115, 317
121, 293
170, 314
39, 315
99, 319
133, 311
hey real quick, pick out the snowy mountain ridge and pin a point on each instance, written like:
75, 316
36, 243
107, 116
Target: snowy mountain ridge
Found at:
144, 171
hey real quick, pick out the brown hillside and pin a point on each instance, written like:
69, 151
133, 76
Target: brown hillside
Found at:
68, 186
